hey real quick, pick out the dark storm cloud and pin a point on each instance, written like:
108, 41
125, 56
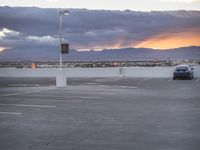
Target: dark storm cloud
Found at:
90, 28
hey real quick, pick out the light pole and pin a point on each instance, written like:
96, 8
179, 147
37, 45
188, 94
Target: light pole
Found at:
60, 77
61, 13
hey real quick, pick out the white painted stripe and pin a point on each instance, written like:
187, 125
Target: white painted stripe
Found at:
64, 100
63, 97
24, 85
10, 113
14, 85
169, 80
130, 87
91, 83
145, 79
90, 93
26, 92
83, 97
23, 105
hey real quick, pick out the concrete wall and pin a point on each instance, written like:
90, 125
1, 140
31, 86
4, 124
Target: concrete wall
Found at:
161, 72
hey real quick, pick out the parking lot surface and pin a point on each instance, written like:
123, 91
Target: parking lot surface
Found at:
99, 114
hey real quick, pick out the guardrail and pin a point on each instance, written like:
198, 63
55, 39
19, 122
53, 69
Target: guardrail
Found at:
154, 72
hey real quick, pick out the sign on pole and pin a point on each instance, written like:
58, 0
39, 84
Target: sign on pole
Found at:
65, 48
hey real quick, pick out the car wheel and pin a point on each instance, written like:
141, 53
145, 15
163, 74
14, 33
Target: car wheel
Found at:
174, 78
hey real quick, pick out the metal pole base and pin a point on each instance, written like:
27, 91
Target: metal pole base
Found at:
61, 79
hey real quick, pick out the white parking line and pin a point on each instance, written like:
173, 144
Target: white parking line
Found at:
145, 79
108, 80
169, 80
23, 105
63, 97
26, 92
83, 97
10, 113
129, 87
24, 85
90, 93
91, 83
44, 100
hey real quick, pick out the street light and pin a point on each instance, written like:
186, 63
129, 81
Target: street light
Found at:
61, 13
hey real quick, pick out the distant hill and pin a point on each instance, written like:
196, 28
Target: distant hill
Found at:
126, 54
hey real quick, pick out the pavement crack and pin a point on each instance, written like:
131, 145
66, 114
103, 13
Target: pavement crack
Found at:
31, 147
50, 142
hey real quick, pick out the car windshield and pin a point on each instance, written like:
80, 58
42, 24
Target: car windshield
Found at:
183, 68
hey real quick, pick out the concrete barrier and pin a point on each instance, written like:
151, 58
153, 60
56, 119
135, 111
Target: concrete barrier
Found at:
157, 72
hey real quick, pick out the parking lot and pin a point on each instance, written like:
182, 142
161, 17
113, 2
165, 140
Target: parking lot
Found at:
100, 114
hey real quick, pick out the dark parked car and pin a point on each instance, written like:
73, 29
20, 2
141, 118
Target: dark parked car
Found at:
183, 71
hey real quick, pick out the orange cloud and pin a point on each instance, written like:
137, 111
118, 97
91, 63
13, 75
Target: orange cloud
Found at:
171, 40
162, 41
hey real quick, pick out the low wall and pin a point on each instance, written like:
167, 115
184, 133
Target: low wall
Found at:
157, 72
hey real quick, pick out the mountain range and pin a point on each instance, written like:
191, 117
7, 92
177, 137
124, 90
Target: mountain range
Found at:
125, 54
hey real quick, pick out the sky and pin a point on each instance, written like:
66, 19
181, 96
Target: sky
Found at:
142, 5
101, 24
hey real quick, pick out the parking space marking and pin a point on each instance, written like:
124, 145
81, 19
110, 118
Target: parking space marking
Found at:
10, 113
23, 85
44, 100
91, 83
90, 93
24, 105
129, 87
145, 79
65, 97
26, 92
169, 80
83, 97
108, 80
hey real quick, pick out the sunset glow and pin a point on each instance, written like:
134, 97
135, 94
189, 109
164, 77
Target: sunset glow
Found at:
2, 49
170, 41
162, 42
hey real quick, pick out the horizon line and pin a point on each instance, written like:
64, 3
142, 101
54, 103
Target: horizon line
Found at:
125, 10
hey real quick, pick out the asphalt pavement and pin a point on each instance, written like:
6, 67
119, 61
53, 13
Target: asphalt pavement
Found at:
99, 114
